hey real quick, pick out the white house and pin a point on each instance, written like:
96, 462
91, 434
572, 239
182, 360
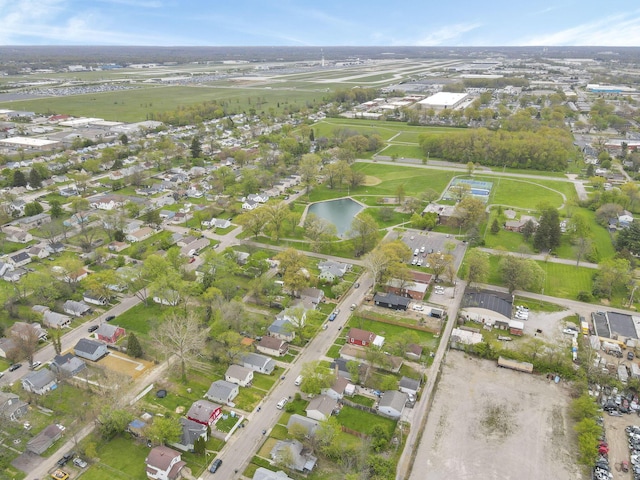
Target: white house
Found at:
239, 375
321, 407
392, 403
164, 463
39, 382
222, 391
250, 205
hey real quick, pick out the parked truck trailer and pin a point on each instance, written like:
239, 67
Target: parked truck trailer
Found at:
525, 367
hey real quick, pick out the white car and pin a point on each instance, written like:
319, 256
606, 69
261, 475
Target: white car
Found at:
418, 307
282, 403
569, 331
422, 249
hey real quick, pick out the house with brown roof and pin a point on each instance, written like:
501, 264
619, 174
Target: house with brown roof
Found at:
164, 463
321, 407
272, 346
360, 337
204, 412
337, 390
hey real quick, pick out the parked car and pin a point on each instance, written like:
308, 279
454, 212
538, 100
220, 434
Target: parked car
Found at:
35, 365
64, 460
109, 318
92, 328
14, 367
215, 465
333, 316
78, 462
282, 403
630, 355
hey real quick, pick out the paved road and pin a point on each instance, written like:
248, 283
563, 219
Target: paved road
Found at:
241, 448
542, 257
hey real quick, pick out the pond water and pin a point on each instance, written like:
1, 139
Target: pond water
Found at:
339, 212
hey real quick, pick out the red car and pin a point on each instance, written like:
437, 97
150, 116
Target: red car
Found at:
192, 259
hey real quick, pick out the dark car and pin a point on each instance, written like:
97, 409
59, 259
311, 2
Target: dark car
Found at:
630, 355
65, 458
110, 317
14, 367
215, 465
92, 328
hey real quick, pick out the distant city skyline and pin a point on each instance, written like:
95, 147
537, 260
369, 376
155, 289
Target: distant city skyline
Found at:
326, 23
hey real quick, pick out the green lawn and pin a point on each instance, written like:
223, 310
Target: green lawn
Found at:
402, 151
120, 459
141, 318
390, 331
361, 421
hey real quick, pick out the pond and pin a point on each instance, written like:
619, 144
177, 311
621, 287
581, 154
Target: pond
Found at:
339, 212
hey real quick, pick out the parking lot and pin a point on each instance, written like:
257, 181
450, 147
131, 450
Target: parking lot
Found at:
432, 242
489, 422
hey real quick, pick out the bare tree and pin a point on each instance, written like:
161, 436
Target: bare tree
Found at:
25, 338
182, 336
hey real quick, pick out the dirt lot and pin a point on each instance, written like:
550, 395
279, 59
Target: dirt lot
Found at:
492, 423
618, 443
121, 363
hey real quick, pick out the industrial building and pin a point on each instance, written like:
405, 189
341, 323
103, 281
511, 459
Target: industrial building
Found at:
444, 100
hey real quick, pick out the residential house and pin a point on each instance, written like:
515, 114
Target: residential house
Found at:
139, 235
44, 439
94, 299
257, 197
222, 391
330, 270
282, 329
11, 407
339, 366
17, 207
250, 205
14, 275
90, 349
220, 223
258, 363
38, 252
296, 314
315, 295
77, 309
409, 386
20, 259
413, 290
392, 403
239, 375
109, 333
6, 346
364, 338
272, 346
625, 219
39, 381
204, 412
108, 202
321, 407
25, 330
34, 221
194, 247
132, 226
67, 365
55, 247
391, 300
17, 235
191, 431
293, 451
414, 352
262, 473
309, 424
164, 463
55, 320
337, 390
5, 267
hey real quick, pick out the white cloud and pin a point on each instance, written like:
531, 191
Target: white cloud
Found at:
445, 34
615, 31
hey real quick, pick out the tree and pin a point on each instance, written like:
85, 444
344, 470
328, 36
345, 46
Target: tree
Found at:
520, 274
113, 422
547, 236
276, 214
439, 262
315, 377
33, 208
19, 179
253, 221
164, 430
470, 212
579, 229
613, 274
364, 232
196, 148
35, 179
133, 346
25, 339
528, 229
200, 446
182, 336
495, 226
608, 211
477, 266
124, 140
629, 239
55, 208
319, 231
309, 168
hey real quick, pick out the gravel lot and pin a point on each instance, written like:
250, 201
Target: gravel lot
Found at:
492, 423
618, 442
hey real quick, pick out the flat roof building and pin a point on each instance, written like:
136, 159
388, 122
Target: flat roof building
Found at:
444, 100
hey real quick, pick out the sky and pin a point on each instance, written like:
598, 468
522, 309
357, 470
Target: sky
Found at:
320, 23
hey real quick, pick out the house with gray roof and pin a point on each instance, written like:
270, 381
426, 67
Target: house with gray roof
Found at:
77, 309
191, 431
55, 320
273, 346
6, 345
392, 403
239, 375
222, 391
282, 329
67, 365
409, 385
11, 407
258, 363
44, 439
309, 424
90, 349
301, 460
262, 473
321, 407
39, 381
20, 259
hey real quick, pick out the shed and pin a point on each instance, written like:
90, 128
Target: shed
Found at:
409, 385
516, 327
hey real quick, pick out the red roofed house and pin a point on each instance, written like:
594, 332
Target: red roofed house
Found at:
360, 337
164, 463
204, 412
109, 333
